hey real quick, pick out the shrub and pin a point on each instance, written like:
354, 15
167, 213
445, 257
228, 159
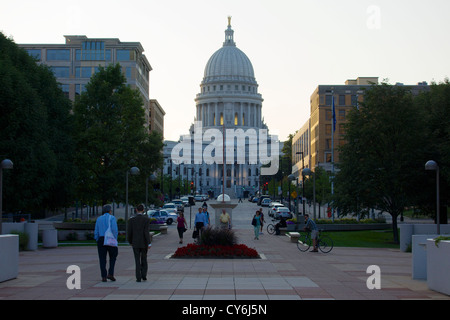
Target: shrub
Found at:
89, 235
218, 236
23, 239
72, 236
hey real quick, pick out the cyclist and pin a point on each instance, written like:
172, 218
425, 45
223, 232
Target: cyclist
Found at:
311, 226
281, 224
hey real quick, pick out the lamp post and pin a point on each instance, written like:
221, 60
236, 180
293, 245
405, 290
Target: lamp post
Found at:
308, 172
152, 178
433, 166
291, 178
134, 171
303, 180
5, 164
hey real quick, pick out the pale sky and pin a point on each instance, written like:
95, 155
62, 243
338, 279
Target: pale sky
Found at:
294, 45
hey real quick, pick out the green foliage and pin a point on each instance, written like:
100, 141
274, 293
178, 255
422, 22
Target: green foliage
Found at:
23, 239
382, 163
35, 131
111, 137
218, 236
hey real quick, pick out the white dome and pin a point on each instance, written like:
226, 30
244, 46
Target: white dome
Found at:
229, 63
223, 196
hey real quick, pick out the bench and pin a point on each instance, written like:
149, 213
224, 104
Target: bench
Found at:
163, 229
294, 236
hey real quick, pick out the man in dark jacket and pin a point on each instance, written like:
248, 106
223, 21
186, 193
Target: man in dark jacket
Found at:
139, 237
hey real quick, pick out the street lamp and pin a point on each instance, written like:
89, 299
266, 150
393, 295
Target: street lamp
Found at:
5, 164
291, 178
308, 172
433, 166
152, 178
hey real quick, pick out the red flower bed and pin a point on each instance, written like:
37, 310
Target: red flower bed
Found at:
235, 251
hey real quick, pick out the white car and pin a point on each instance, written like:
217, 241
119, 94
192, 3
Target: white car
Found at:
185, 201
167, 217
179, 203
283, 212
273, 207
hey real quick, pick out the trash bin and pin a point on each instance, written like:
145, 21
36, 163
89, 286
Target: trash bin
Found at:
50, 238
32, 230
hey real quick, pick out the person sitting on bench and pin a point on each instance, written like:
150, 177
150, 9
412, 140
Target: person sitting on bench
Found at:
281, 224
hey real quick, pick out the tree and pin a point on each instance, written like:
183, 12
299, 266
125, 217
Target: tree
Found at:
111, 137
323, 187
382, 163
35, 133
436, 102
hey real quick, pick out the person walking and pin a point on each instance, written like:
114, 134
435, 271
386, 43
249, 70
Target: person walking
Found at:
261, 217
207, 218
200, 221
138, 234
181, 226
101, 225
256, 222
225, 220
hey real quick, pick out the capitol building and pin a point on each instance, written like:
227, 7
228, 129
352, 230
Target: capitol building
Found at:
228, 100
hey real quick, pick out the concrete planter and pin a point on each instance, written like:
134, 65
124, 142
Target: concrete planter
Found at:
438, 266
9, 257
157, 227
80, 226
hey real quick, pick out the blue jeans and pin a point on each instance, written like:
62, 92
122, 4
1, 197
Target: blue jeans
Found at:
102, 252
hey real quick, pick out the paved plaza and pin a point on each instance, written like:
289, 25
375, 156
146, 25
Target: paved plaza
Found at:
283, 273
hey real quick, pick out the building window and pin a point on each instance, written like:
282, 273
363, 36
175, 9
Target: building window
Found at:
128, 73
328, 99
328, 129
342, 100
236, 119
58, 54
83, 72
243, 119
341, 115
221, 119
61, 72
80, 88
35, 53
126, 55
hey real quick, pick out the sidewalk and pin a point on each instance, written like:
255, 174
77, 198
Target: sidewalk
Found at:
284, 273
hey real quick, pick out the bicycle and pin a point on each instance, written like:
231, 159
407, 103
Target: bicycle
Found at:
270, 229
324, 242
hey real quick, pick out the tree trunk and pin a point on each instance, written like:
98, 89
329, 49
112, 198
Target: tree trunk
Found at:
395, 227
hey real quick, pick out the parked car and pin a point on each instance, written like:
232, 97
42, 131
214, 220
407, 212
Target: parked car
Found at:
170, 207
261, 199
185, 201
273, 207
179, 204
266, 202
255, 199
283, 212
163, 215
